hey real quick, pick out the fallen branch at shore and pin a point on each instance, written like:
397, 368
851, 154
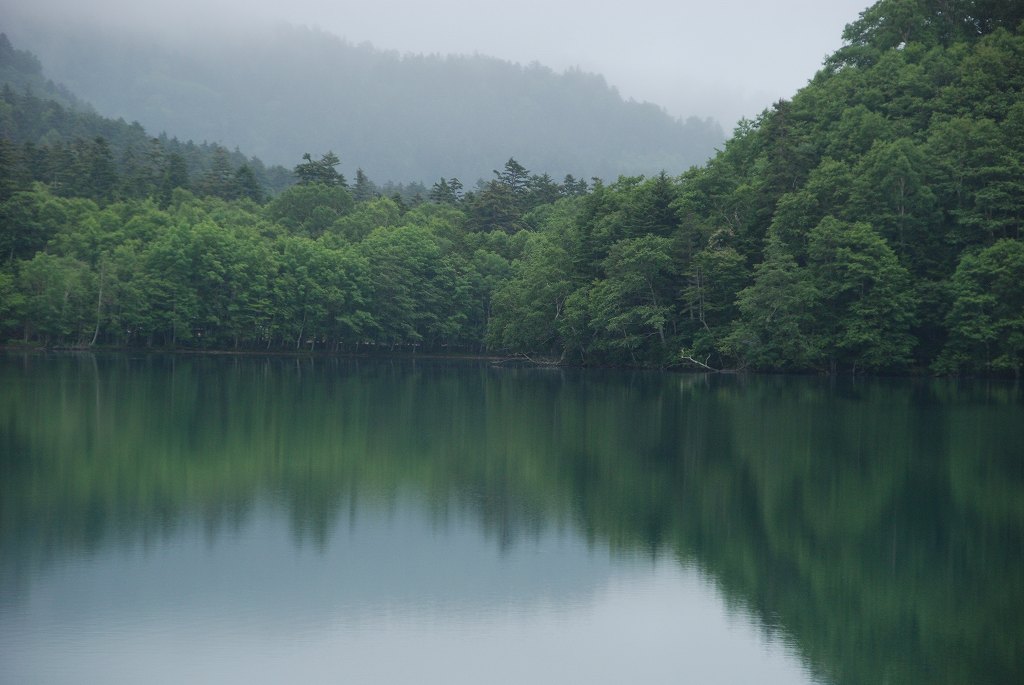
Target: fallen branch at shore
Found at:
702, 364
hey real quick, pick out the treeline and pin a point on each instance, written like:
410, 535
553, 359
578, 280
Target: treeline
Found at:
311, 269
873, 223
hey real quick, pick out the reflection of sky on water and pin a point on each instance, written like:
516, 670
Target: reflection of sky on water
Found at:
393, 596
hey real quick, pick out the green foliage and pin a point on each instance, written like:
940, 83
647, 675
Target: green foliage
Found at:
777, 327
55, 298
365, 217
321, 171
310, 209
986, 321
631, 307
530, 305
866, 307
868, 224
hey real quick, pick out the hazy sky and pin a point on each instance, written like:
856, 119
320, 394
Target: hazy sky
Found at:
726, 58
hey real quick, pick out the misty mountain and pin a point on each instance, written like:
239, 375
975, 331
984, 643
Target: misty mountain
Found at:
48, 134
279, 93
21, 70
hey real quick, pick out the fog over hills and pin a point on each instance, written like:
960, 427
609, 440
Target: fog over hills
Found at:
277, 93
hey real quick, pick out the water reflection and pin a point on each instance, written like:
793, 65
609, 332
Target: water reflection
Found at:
684, 527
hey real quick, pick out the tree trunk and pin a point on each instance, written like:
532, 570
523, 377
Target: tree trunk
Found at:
99, 308
298, 340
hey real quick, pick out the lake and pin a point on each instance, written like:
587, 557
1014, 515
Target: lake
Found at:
172, 518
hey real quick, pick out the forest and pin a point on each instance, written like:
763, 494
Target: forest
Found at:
872, 223
276, 93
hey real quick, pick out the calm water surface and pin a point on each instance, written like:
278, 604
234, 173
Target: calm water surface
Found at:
235, 520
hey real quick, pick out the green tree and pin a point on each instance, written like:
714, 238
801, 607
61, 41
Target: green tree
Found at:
529, 306
321, 171
515, 177
23, 228
408, 297
311, 208
986, 321
496, 207
866, 303
713, 278
246, 185
571, 187
103, 179
364, 189
11, 302
167, 286
366, 216
175, 175
446, 192
890, 191
57, 299
631, 307
777, 327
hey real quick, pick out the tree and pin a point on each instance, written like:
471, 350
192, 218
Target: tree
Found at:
777, 327
497, 208
22, 232
651, 207
514, 176
102, 173
321, 171
406, 296
365, 218
310, 208
866, 303
12, 170
713, 278
529, 306
219, 179
542, 190
446, 191
247, 185
631, 307
57, 299
364, 189
441, 192
11, 302
175, 176
986, 321
571, 187
891, 193
167, 286
320, 294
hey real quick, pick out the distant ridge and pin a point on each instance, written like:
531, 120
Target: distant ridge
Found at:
51, 126
292, 90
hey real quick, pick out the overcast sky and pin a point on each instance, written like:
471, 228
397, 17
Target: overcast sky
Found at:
720, 58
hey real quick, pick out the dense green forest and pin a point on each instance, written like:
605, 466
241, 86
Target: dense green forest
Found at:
871, 223
277, 93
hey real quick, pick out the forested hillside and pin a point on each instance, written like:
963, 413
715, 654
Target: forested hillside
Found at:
49, 135
403, 118
872, 223
21, 70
